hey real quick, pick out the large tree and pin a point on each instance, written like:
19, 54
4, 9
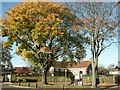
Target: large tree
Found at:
99, 24
43, 33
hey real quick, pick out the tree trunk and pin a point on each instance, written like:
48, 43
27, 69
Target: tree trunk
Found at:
93, 61
94, 83
96, 65
44, 77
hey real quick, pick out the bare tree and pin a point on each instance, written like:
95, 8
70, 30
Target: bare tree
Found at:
99, 25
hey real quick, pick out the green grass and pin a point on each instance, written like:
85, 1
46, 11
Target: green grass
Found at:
68, 87
27, 84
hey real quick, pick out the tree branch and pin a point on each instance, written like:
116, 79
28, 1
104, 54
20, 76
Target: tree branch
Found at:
105, 48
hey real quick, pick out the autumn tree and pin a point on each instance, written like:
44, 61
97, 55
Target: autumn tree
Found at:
99, 24
43, 33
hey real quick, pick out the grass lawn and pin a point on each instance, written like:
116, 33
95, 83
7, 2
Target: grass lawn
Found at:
27, 84
110, 85
59, 86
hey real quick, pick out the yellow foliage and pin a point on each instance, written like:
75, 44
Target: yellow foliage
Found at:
33, 24
45, 50
5, 44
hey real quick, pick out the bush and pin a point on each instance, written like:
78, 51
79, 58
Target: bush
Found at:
86, 79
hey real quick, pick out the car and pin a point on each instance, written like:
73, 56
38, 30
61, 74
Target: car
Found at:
117, 79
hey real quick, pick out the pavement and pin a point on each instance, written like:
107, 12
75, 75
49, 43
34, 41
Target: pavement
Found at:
15, 86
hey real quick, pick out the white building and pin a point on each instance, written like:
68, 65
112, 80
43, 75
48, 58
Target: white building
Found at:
82, 66
114, 72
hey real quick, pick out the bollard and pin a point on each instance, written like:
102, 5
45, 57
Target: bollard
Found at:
36, 85
19, 83
63, 86
29, 84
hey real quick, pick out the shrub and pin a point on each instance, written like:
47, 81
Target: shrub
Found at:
49, 78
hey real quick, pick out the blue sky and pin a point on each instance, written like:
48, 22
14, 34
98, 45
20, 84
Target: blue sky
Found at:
109, 56
64, 0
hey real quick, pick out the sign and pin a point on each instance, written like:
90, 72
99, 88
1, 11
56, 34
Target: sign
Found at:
52, 70
77, 76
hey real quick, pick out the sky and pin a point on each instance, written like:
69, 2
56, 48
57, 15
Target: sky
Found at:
109, 56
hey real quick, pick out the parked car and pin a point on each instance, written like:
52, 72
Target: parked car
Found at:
117, 79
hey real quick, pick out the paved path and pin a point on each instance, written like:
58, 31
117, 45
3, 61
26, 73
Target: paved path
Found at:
10, 86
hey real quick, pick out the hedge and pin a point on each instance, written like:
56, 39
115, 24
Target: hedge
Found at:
49, 78
102, 79
86, 79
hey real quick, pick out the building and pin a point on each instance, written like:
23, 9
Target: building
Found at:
114, 72
82, 66
7, 74
21, 70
